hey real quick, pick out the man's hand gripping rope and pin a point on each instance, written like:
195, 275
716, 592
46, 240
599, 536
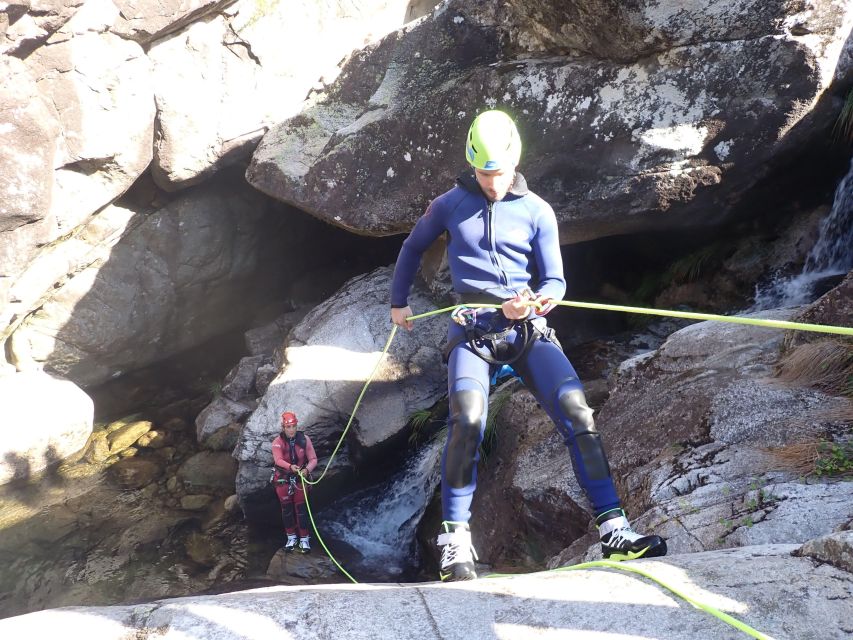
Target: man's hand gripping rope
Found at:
525, 304
518, 308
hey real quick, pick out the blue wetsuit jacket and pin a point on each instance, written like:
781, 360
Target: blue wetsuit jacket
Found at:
497, 249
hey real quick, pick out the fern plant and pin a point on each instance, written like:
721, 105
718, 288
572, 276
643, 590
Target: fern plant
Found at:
420, 420
843, 129
497, 401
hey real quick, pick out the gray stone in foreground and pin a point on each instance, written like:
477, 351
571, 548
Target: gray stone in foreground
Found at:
762, 586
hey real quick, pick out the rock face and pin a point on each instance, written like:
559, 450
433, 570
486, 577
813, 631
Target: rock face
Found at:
639, 116
696, 433
222, 82
648, 127
141, 514
296, 568
834, 308
769, 597
329, 355
208, 471
95, 94
27, 147
708, 382
621, 125
145, 21
834, 548
25, 25
102, 89
91, 245
710, 396
132, 473
218, 415
45, 419
172, 282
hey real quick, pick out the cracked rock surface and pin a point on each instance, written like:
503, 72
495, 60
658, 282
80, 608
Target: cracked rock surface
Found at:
766, 587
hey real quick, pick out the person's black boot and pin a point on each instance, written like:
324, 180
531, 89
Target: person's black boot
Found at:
457, 553
620, 542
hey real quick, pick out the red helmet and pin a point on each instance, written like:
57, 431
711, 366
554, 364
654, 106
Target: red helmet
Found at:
288, 419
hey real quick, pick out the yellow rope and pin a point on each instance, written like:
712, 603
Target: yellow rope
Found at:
317, 533
357, 403
338, 446
630, 567
757, 322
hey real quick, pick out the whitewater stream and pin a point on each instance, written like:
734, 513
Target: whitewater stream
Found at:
831, 256
380, 521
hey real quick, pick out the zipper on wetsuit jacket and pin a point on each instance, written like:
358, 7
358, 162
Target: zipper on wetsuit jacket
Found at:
493, 252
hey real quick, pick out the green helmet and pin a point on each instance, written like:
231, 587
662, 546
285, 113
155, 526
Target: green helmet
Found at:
493, 142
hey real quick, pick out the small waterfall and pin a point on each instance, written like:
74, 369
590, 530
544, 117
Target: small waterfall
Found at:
831, 256
380, 521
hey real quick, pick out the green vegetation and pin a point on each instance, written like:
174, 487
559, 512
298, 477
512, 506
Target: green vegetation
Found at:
760, 499
843, 129
834, 459
420, 420
215, 390
822, 458
756, 484
262, 8
417, 422
686, 269
648, 288
694, 265
497, 401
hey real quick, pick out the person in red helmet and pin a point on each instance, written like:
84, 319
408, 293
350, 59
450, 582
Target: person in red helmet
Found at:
294, 456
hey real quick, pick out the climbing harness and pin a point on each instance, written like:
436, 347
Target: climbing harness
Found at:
488, 333
463, 314
488, 341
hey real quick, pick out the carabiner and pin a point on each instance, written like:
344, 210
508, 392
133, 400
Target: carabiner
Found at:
464, 316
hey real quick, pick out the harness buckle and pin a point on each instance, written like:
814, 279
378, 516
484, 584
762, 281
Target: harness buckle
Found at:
464, 316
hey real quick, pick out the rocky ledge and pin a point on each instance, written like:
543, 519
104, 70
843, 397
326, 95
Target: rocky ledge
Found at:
783, 591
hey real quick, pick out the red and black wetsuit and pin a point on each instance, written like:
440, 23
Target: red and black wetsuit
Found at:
286, 454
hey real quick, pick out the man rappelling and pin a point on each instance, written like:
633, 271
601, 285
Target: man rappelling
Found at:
294, 457
503, 248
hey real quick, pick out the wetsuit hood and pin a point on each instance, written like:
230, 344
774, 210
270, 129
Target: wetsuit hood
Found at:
468, 181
